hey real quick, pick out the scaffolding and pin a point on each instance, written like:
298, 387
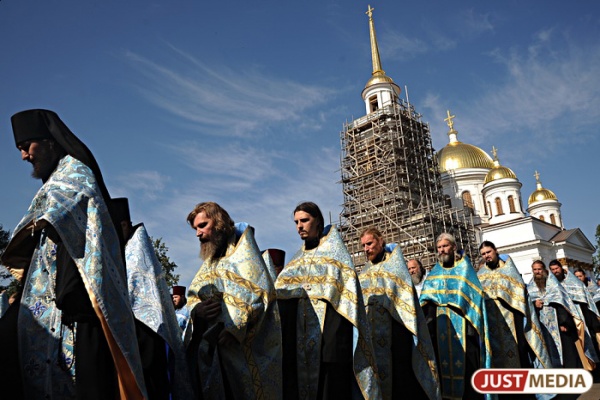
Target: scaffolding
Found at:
390, 181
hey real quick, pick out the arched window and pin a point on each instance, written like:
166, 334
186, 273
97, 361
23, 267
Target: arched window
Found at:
468, 202
552, 219
542, 218
489, 206
485, 207
511, 204
499, 206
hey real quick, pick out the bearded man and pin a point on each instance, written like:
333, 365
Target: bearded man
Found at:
516, 340
585, 304
398, 328
236, 338
564, 331
327, 351
591, 286
417, 274
76, 329
452, 299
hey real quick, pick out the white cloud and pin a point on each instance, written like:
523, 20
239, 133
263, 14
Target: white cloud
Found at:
220, 101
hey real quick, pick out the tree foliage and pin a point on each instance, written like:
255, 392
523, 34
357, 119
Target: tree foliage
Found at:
7, 282
168, 266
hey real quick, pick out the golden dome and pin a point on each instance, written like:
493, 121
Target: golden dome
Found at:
457, 155
499, 171
541, 194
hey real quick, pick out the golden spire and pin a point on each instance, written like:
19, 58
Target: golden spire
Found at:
374, 47
378, 75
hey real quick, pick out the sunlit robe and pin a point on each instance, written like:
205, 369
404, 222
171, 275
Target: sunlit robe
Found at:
389, 297
458, 296
71, 202
253, 364
320, 277
152, 304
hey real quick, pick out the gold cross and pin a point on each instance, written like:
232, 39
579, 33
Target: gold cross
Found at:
537, 176
449, 120
495, 152
370, 11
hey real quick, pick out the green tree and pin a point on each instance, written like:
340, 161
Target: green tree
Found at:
168, 266
7, 282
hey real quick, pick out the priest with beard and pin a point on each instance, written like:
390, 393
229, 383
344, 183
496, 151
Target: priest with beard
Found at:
417, 274
584, 303
589, 284
564, 328
452, 300
516, 339
235, 350
327, 352
76, 333
398, 328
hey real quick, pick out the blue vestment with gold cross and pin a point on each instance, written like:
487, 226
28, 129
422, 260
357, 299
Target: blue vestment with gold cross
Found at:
253, 364
458, 296
507, 303
389, 296
319, 277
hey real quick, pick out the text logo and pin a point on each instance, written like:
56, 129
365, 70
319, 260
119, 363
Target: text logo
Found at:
556, 380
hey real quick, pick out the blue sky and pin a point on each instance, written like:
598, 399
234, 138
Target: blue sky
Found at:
242, 102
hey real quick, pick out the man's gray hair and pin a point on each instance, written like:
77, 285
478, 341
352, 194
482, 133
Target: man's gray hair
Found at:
446, 236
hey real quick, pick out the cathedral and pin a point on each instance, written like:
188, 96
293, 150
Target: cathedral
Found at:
491, 194
393, 179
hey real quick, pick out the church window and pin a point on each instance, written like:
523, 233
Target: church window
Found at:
468, 202
542, 218
552, 219
373, 105
485, 207
499, 206
511, 204
489, 206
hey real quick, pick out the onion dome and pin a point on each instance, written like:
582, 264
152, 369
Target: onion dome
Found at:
541, 194
498, 172
457, 155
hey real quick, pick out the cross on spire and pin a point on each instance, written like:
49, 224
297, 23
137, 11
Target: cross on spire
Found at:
449, 120
370, 11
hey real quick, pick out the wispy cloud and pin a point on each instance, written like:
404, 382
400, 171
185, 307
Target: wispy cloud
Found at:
549, 93
266, 203
473, 23
219, 100
145, 183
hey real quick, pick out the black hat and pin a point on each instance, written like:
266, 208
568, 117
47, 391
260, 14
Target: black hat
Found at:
31, 125
119, 208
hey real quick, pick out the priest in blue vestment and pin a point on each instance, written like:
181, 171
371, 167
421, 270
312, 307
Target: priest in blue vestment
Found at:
453, 302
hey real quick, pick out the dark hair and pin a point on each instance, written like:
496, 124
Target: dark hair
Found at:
554, 262
578, 270
487, 243
314, 210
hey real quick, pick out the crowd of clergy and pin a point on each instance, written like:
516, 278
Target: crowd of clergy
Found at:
94, 318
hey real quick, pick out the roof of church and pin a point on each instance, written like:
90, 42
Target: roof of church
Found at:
541, 194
